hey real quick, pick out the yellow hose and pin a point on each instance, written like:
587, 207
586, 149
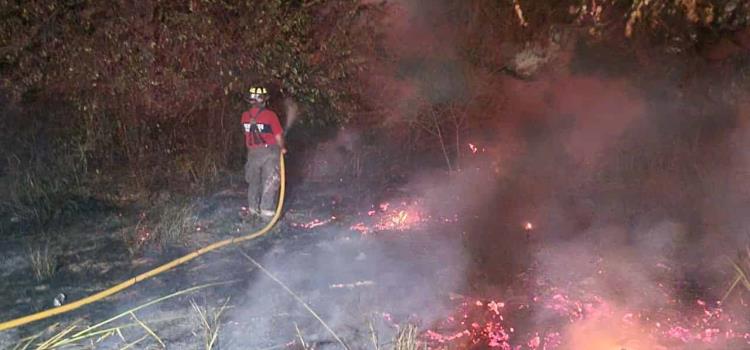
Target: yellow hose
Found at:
148, 274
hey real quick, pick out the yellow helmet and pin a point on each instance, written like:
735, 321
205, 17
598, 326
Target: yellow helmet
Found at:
258, 94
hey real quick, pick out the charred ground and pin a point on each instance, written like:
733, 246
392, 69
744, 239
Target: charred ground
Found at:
450, 152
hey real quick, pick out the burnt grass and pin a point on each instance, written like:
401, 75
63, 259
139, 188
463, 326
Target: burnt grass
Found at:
406, 276
95, 251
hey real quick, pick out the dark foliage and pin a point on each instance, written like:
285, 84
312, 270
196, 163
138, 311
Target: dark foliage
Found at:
156, 86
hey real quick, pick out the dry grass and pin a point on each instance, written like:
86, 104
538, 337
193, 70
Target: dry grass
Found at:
373, 335
43, 261
38, 190
166, 224
201, 168
301, 339
57, 337
741, 267
174, 221
297, 298
407, 339
209, 320
29, 197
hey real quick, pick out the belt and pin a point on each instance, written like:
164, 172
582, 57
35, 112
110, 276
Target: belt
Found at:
265, 145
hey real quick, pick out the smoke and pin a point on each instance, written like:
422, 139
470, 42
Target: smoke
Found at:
353, 284
641, 207
291, 110
630, 197
634, 187
421, 66
603, 262
364, 285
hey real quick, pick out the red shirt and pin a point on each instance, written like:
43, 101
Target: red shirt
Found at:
267, 126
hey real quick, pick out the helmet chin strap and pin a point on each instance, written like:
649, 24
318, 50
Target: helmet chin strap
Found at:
254, 102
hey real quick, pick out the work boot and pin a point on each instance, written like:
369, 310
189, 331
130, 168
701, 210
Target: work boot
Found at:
249, 213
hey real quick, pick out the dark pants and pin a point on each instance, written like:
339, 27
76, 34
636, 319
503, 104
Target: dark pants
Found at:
262, 176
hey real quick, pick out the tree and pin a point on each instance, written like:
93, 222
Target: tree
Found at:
152, 77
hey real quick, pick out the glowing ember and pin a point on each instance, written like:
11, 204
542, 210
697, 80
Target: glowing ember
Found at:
556, 318
552, 318
315, 223
388, 217
587, 323
401, 218
528, 226
361, 228
143, 235
473, 148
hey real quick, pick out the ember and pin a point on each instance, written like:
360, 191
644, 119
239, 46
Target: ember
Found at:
476, 149
314, 223
404, 217
473, 148
588, 323
572, 318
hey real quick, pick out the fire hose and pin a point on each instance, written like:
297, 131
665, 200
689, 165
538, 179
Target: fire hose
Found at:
156, 271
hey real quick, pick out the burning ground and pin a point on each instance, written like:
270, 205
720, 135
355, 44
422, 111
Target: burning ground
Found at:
531, 245
462, 175
444, 252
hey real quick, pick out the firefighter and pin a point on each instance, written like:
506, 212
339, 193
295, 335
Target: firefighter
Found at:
264, 140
